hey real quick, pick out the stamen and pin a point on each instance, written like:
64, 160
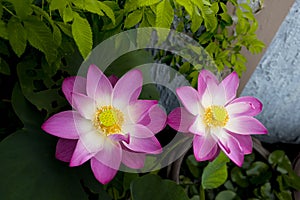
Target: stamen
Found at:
109, 120
215, 116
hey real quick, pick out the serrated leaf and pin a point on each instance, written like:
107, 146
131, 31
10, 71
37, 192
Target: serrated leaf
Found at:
40, 36
90, 6
215, 173
82, 34
67, 14
210, 20
4, 67
164, 14
22, 8
142, 3
17, 36
3, 30
58, 4
108, 11
150, 16
66, 28
187, 6
133, 18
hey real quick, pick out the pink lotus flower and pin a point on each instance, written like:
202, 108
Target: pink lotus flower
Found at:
216, 118
108, 125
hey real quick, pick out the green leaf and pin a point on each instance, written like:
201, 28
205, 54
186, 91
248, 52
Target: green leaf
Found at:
151, 187
1, 11
215, 173
226, 195
40, 36
164, 14
82, 34
196, 20
22, 8
68, 14
142, 3
108, 11
193, 166
3, 30
133, 18
27, 113
58, 4
279, 160
66, 28
187, 6
89, 5
259, 173
29, 169
4, 67
239, 178
17, 36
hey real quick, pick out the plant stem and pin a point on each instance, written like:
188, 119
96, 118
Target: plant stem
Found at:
10, 12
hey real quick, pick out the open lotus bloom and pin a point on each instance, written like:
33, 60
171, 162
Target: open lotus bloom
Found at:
109, 125
216, 118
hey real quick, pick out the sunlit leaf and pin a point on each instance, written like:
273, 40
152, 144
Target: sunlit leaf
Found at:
215, 173
82, 34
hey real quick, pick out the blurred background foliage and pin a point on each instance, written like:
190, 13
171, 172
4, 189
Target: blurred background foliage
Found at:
44, 41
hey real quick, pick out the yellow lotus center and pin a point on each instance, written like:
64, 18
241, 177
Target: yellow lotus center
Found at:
215, 116
109, 120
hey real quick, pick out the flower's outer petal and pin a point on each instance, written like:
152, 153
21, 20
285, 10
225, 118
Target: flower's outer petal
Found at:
85, 105
155, 119
146, 145
230, 84
204, 147
139, 108
127, 89
73, 84
214, 153
65, 125
103, 173
207, 75
80, 155
245, 125
180, 119
98, 86
197, 127
235, 152
65, 149
113, 80
246, 105
111, 154
245, 142
190, 98
132, 159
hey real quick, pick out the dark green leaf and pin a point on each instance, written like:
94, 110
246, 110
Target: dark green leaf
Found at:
17, 36
279, 160
66, 28
4, 67
193, 166
82, 34
226, 195
238, 177
215, 173
26, 112
29, 169
3, 30
151, 187
22, 8
259, 172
